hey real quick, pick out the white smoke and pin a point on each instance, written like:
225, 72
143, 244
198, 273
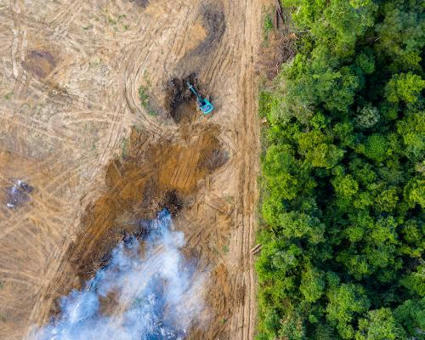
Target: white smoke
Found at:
156, 296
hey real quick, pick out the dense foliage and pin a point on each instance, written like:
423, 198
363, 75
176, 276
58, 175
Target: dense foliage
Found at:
344, 176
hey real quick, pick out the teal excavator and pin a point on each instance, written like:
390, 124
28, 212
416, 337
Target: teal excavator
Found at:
203, 103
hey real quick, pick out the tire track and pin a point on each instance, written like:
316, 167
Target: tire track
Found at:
153, 43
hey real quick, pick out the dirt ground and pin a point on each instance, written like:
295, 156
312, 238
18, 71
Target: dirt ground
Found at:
72, 126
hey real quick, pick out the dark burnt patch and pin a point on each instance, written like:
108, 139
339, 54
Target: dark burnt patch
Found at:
215, 25
172, 202
213, 20
141, 3
39, 63
181, 103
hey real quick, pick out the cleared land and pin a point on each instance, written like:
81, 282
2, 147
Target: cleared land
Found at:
72, 125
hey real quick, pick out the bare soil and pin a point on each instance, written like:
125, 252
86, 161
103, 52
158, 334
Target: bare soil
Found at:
73, 128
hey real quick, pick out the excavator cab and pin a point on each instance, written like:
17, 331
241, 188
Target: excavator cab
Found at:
203, 103
206, 106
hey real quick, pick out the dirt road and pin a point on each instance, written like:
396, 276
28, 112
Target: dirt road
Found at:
72, 125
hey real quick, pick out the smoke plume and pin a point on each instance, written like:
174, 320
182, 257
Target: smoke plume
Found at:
151, 292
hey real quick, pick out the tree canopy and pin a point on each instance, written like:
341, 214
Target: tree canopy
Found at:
343, 176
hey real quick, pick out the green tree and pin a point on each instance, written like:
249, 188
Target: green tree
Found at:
380, 324
415, 281
345, 186
411, 315
312, 284
412, 131
404, 87
376, 147
415, 192
401, 36
343, 176
344, 302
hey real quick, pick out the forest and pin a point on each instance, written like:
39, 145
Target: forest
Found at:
343, 175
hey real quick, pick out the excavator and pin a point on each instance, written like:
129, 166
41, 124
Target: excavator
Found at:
204, 104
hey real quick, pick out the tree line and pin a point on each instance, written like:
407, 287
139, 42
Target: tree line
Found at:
343, 175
